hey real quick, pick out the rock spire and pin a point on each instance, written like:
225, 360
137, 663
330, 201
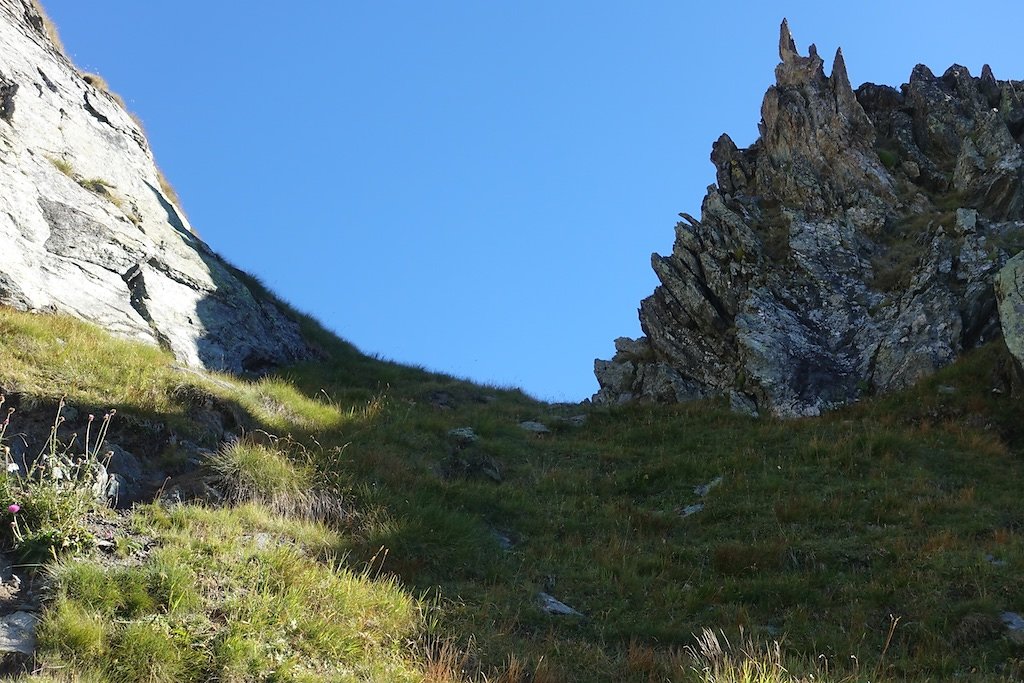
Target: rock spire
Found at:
850, 250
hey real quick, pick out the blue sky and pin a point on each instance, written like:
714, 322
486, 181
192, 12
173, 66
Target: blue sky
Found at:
476, 186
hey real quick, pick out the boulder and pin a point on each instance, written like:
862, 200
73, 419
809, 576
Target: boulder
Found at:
1009, 288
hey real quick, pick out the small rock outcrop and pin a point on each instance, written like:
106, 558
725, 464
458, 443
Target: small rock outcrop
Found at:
87, 228
850, 250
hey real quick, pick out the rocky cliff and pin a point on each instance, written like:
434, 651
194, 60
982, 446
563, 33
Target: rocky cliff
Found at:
851, 249
87, 229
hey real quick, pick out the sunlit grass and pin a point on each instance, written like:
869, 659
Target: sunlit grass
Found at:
46, 356
231, 595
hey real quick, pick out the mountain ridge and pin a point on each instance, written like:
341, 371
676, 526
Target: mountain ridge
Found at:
850, 250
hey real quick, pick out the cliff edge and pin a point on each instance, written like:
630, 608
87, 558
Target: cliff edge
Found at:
87, 229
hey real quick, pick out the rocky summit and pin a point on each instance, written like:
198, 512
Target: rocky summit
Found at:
852, 249
87, 226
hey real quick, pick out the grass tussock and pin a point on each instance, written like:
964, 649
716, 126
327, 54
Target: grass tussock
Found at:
100, 83
289, 486
49, 28
233, 596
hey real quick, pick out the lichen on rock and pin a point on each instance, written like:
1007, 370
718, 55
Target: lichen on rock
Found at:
849, 250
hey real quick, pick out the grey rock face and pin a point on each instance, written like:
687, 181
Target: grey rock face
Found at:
851, 249
85, 228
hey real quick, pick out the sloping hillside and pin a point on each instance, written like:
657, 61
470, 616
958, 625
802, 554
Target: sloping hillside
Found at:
367, 540
322, 515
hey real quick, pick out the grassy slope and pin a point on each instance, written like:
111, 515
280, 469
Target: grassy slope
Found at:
821, 534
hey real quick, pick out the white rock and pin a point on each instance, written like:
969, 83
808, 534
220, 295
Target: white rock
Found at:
553, 606
1014, 624
18, 632
121, 255
692, 509
463, 435
704, 489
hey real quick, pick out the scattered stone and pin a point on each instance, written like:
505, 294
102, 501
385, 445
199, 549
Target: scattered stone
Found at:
191, 486
102, 482
193, 454
704, 489
556, 607
504, 540
18, 632
994, 561
946, 389
127, 476
692, 509
469, 465
116, 485
535, 427
574, 421
1009, 285
1014, 624
264, 541
463, 436
441, 400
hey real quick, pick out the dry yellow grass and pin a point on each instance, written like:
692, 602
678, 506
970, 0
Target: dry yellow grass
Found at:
50, 28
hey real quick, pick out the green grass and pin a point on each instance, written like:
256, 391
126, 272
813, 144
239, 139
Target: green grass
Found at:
230, 594
46, 357
889, 158
822, 534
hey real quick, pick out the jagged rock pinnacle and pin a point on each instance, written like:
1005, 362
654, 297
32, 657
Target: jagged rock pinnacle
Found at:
793, 293
839, 76
787, 47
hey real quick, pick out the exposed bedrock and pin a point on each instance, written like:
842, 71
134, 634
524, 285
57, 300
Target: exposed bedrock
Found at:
851, 249
86, 227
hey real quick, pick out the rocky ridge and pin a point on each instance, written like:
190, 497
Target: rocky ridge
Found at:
87, 229
851, 249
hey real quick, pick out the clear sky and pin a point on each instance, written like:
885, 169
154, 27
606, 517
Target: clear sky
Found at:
476, 186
